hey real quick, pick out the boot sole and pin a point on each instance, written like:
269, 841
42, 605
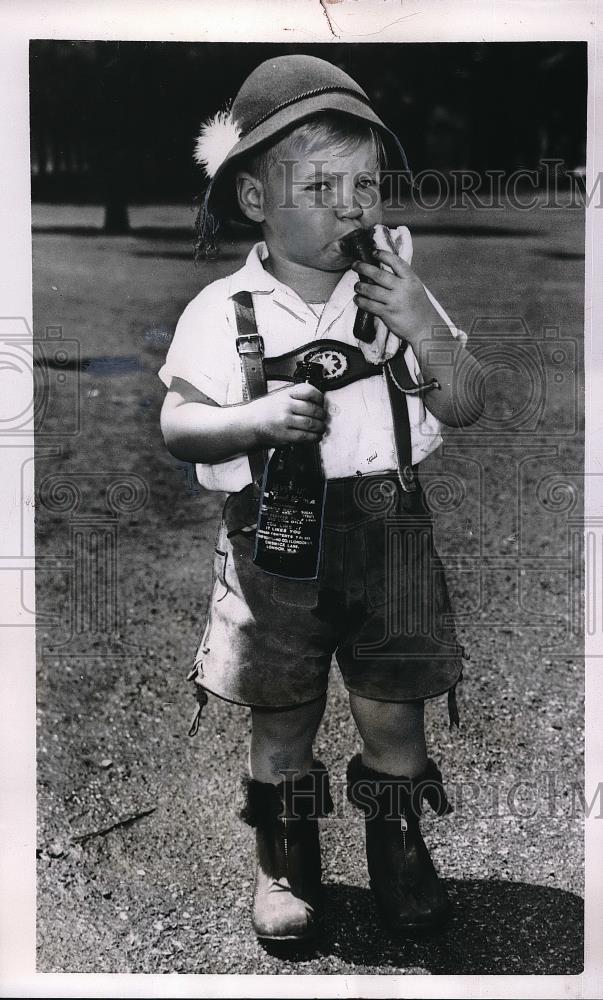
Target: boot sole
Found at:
276, 938
306, 936
286, 943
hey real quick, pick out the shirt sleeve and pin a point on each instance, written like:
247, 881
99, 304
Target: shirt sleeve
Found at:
203, 349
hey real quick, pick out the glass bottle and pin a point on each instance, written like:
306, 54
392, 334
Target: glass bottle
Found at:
359, 245
289, 530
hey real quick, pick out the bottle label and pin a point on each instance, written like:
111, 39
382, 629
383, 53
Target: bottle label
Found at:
289, 532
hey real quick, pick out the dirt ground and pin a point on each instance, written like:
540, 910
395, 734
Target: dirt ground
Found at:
143, 863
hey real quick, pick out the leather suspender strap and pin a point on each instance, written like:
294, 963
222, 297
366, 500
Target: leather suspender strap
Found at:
250, 348
397, 376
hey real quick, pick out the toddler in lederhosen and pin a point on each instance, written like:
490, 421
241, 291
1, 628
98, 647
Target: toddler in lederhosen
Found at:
301, 155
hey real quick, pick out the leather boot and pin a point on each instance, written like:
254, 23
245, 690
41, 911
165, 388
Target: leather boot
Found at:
406, 886
287, 884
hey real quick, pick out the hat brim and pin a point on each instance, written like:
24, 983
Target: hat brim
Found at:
280, 122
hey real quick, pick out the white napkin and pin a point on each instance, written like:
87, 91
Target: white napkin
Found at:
385, 344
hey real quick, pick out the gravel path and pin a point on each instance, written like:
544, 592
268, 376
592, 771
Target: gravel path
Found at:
167, 888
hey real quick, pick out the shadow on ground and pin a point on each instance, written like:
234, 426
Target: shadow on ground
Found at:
497, 927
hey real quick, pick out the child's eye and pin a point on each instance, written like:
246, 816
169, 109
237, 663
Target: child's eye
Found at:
318, 186
366, 182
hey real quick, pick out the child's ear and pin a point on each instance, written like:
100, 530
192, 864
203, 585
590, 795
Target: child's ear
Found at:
250, 194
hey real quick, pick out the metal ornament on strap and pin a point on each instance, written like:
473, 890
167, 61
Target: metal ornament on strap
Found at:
342, 365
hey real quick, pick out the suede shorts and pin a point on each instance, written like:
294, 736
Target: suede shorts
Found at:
380, 605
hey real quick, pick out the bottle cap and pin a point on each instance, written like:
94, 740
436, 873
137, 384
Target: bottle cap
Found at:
309, 371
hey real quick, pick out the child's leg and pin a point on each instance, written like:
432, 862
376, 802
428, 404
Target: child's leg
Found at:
284, 809
387, 783
282, 740
393, 734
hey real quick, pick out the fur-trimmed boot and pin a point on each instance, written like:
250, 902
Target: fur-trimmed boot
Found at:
404, 881
287, 885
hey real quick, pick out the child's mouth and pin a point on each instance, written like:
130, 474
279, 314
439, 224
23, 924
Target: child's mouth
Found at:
356, 244
345, 249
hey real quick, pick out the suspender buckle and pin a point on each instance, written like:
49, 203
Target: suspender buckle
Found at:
408, 479
250, 343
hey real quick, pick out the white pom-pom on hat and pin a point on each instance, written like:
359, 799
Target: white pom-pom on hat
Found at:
217, 137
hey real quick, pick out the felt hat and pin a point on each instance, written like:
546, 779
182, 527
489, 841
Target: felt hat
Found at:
278, 95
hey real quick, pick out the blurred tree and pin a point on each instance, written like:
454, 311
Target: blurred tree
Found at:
114, 132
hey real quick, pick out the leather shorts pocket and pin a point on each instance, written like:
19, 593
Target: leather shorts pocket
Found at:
295, 593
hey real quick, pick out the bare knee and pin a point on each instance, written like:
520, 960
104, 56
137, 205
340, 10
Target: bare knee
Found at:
393, 734
281, 741
289, 723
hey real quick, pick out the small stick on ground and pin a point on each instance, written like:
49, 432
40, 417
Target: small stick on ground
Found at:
103, 830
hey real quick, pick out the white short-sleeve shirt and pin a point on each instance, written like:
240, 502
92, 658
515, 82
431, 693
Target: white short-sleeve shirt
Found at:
360, 435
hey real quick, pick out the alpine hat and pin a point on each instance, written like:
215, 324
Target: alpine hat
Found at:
279, 94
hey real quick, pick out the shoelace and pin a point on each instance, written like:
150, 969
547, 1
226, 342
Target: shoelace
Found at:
279, 885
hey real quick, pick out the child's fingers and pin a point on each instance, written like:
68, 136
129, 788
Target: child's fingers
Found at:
306, 424
294, 436
303, 409
370, 306
376, 274
398, 266
375, 292
307, 392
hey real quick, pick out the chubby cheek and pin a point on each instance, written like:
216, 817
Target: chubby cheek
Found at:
290, 231
312, 230
303, 238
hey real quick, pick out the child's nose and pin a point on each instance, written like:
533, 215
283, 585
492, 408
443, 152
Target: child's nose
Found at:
348, 205
349, 211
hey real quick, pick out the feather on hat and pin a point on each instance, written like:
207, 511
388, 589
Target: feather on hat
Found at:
217, 137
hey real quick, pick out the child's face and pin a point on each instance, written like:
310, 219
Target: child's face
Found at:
314, 199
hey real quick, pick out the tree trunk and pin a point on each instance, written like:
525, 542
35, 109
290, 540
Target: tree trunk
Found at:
117, 221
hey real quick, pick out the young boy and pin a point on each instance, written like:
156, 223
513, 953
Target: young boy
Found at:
299, 155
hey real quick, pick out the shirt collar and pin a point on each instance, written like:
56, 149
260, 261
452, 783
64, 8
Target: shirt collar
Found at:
253, 277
